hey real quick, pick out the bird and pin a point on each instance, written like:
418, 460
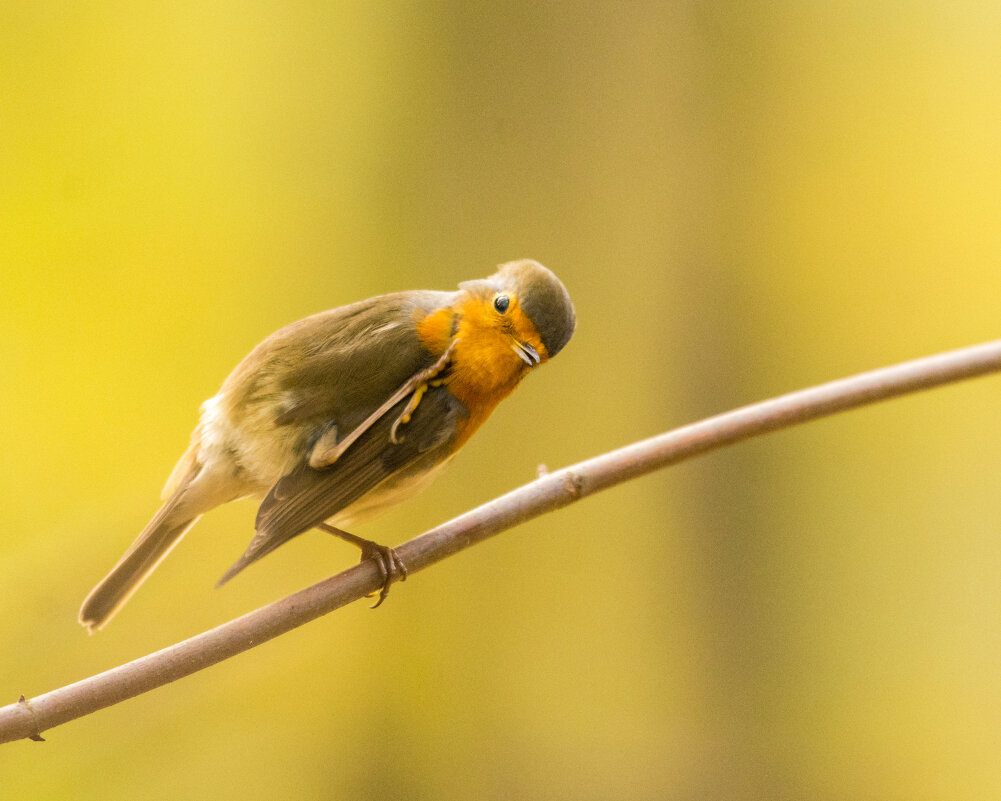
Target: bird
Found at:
338, 416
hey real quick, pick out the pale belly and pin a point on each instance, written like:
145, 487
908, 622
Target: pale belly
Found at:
390, 492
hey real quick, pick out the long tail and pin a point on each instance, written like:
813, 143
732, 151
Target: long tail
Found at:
161, 534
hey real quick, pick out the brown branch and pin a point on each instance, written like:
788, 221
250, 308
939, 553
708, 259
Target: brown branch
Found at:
28, 718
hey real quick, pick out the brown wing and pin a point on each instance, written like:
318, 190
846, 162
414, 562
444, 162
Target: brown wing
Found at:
336, 367
305, 496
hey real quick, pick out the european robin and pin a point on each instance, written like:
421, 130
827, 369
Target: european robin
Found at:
343, 414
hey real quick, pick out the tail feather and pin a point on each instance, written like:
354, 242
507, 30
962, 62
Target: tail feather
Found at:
152, 545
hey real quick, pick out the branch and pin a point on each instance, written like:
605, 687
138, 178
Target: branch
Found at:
548, 493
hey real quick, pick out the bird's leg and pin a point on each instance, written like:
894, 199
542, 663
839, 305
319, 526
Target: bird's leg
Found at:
391, 567
328, 448
408, 410
421, 381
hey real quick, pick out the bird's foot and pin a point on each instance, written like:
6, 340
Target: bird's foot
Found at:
391, 567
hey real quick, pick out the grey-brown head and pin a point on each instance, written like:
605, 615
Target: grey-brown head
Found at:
543, 298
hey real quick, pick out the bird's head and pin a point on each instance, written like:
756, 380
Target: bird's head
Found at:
525, 306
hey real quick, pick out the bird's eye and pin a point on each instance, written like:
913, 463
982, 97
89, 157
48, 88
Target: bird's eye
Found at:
501, 303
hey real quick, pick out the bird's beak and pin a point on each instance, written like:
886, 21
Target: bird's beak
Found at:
526, 353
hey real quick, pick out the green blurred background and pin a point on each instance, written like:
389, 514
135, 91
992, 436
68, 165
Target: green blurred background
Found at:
742, 198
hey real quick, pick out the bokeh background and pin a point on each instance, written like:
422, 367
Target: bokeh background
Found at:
743, 199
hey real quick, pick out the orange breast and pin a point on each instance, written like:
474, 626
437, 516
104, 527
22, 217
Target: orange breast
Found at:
485, 369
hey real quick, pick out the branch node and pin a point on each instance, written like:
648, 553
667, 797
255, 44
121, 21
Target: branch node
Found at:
35, 736
573, 484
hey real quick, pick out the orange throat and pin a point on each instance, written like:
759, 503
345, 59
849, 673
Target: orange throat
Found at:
485, 369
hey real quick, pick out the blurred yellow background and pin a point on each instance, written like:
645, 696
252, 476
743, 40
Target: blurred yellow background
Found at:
743, 199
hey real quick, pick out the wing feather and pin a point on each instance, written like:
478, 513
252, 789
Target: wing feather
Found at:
332, 366
306, 496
